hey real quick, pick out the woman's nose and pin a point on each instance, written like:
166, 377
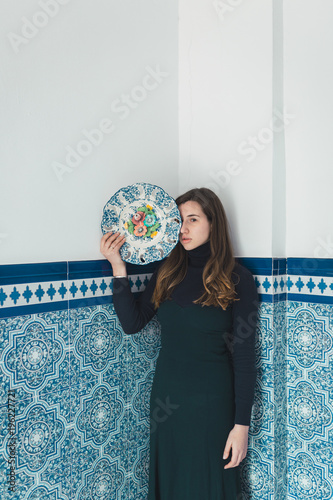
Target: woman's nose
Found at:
183, 229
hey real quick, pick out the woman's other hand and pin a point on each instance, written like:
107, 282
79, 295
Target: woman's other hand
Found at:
237, 442
110, 246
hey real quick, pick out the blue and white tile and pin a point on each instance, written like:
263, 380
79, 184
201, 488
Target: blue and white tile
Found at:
309, 340
97, 418
257, 477
294, 443
99, 423
40, 434
265, 335
262, 411
45, 492
321, 452
138, 368
270, 284
41, 431
8, 326
35, 357
24, 485
97, 346
105, 480
310, 285
65, 472
96, 335
147, 343
138, 480
310, 410
33, 293
308, 413
306, 479
322, 373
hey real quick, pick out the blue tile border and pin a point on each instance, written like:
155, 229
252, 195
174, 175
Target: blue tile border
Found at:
310, 267
98, 268
32, 273
317, 299
55, 271
33, 288
8, 312
257, 265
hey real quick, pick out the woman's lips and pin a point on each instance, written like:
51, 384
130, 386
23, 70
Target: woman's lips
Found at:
186, 240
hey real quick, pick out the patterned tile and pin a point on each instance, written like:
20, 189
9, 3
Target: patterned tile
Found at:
35, 441
310, 410
105, 480
138, 480
97, 414
33, 293
34, 356
55, 295
312, 285
24, 486
69, 468
306, 479
257, 476
7, 326
98, 345
309, 340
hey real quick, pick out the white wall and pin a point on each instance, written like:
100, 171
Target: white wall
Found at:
67, 76
279, 183
225, 96
309, 145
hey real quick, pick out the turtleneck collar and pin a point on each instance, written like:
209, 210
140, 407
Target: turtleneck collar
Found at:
199, 255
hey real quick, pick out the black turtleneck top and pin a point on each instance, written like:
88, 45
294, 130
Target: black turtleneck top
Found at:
134, 314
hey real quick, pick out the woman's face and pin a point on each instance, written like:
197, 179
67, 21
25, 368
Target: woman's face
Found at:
195, 228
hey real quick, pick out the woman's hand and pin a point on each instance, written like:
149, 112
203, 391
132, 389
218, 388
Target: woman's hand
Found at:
237, 441
110, 246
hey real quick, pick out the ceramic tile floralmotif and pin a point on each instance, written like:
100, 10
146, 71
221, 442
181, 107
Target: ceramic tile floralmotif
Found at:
74, 389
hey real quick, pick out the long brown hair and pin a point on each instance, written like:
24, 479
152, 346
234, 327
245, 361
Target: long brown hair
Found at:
219, 287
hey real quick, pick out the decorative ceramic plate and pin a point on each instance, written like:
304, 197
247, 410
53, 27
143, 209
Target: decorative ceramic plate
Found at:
148, 217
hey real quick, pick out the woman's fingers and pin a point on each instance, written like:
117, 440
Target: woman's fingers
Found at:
111, 242
234, 462
227, 449
237, 445
119, 240
108, 239
117, 243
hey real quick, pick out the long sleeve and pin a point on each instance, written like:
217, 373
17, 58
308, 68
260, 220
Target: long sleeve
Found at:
242, 347
133, 313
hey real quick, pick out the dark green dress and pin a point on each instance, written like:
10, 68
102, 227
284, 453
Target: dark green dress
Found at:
192, 406
203, 384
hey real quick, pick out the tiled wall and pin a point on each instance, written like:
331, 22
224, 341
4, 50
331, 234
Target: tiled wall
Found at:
81, 429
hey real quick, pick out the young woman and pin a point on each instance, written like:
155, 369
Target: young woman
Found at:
203, 387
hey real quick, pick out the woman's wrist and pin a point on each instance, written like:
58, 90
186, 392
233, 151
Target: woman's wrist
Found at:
119, 271
242, 427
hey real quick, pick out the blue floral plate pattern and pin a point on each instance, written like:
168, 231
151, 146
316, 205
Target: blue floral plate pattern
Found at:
148, 217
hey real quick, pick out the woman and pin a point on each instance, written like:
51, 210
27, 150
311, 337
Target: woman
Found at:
203, 387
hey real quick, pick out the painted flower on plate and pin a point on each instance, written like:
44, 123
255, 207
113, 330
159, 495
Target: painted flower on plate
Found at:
150, 220
140, 229
138, 217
